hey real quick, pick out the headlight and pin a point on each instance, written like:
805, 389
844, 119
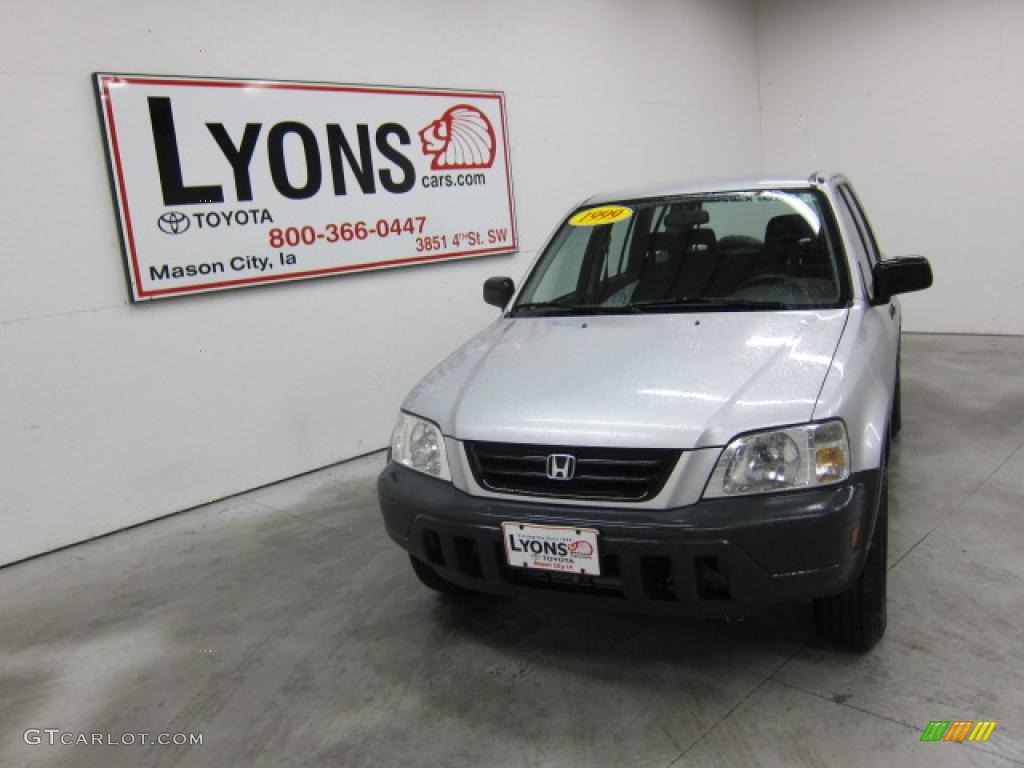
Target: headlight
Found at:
419, 444
782, 459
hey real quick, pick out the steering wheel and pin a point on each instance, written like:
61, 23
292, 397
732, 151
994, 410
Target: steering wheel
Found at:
770, 278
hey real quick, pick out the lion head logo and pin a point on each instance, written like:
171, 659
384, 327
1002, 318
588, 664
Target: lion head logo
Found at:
461, 138
581, 548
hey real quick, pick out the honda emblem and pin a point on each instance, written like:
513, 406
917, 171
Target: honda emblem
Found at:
561, 466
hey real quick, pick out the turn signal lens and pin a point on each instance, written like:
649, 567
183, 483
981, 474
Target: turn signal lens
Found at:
830, 464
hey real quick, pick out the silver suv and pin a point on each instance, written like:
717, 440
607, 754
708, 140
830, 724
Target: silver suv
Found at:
687, 406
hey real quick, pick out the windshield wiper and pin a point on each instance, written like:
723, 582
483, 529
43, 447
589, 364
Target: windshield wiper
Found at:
707, 301
556, 308
719, 302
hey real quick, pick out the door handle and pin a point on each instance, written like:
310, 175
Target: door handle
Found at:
892, 310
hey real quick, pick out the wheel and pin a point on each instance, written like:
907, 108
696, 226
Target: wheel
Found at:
855, 619
430, 578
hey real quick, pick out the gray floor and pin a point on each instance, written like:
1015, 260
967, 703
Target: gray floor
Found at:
284, 627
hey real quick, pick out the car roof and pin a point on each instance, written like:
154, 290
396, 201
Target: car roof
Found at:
782, 181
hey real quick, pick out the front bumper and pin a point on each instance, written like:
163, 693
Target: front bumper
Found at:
720, 557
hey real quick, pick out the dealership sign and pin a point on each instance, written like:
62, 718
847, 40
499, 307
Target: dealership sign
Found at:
224, 183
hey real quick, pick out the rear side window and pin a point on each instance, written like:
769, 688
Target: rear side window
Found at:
745, 221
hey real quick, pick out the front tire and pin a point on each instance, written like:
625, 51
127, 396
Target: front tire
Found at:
430, 578
855, 619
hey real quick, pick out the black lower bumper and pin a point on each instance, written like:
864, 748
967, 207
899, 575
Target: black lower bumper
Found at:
721, 557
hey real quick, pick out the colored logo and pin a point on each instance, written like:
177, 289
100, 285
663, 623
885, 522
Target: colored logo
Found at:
606, 214
461, 138
173, 223
561, 466
958, 730
581, 548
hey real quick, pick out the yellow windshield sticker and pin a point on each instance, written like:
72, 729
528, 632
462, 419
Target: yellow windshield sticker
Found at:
606, 214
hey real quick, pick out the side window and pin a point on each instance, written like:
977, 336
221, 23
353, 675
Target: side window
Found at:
858, 242
863, 226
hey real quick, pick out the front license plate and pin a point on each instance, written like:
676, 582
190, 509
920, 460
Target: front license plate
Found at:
551, 548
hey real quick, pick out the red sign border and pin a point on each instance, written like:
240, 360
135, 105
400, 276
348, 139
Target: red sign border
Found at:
105, 79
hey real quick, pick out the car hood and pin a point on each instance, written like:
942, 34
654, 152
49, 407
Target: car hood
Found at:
656, 380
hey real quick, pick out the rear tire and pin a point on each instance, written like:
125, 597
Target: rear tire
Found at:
430, 578
855, 619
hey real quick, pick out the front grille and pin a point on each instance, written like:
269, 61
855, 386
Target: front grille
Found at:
616, 474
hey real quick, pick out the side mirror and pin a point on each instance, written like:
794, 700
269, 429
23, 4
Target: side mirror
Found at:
901, 275
498, 291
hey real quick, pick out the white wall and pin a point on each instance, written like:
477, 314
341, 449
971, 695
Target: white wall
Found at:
114, 414
921, 102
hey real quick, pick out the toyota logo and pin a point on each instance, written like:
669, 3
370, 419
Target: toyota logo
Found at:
173, 223
561, 466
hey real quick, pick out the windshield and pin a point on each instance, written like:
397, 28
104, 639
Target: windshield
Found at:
762, 249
